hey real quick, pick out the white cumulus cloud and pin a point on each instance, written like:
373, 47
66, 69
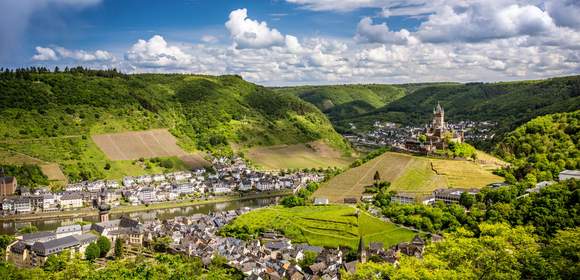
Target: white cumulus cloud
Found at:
485, 20
251, 34
156, 52
58, 53
44, 54
379, 33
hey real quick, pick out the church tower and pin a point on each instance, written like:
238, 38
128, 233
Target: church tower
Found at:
362, 251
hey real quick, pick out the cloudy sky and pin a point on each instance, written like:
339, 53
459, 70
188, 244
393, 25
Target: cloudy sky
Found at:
285, 42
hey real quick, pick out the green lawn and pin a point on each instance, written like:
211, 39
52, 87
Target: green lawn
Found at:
329, 226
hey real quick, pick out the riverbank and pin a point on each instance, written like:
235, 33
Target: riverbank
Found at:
90, 212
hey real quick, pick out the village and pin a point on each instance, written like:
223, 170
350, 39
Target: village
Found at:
271, 256
392, 134
228, 176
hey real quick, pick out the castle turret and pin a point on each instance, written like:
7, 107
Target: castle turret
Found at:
439, 117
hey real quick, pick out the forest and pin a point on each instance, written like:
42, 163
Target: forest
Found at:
541, 148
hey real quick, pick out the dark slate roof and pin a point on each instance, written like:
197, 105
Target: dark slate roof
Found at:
38, 235
307, 247
69, 228
42, 248
85, 238
127, 222
71, 195
18, 247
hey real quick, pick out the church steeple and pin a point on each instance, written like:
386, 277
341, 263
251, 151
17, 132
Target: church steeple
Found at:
362, 251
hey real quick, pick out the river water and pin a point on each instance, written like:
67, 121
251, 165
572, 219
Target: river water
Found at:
162, 214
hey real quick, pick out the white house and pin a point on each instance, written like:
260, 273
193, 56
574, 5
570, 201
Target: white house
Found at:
147, 195
74, 188
158, 178
22, 205
48, 202
128, 181
8, 204
71, 200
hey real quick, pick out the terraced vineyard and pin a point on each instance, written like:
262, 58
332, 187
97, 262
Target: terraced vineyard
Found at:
328, 226
410, 174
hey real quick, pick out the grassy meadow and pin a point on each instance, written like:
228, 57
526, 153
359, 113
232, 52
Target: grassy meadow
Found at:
311, 155
329, 226
410, 174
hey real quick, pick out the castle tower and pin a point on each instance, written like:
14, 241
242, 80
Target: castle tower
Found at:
439, 117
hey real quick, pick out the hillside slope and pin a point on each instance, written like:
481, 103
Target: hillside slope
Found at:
409, 174
345, 101
50, 116
508, 103
543, 147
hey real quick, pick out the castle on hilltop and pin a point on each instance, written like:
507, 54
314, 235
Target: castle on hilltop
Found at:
436, 135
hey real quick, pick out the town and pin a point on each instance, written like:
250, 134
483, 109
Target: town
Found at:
228, 176
271, 256
389, 134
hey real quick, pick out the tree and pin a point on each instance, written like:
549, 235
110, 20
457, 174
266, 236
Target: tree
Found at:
57, 262
107, 166
28, 229
309, 259
104, 245
119, 248
563, 253
466, 199
377, 177
92, 252
161, 244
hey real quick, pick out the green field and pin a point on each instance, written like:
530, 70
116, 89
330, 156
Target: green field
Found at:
410, 174
311, 155
329, 226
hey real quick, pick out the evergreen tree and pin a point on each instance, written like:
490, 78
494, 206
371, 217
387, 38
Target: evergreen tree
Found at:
118, 248
92, 252
104, 246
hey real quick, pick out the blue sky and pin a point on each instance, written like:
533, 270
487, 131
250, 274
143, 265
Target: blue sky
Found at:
281, 42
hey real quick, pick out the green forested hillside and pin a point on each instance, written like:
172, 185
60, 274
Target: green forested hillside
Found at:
345, 101
543, 147
50, 116
508, 103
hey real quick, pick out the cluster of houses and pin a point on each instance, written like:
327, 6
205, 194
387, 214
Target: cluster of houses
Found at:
231, 175
394, 135
272, 256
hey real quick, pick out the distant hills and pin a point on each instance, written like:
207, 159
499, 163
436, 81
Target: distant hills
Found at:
508, 103
50, 116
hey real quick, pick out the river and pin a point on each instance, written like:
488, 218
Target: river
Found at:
163, 214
